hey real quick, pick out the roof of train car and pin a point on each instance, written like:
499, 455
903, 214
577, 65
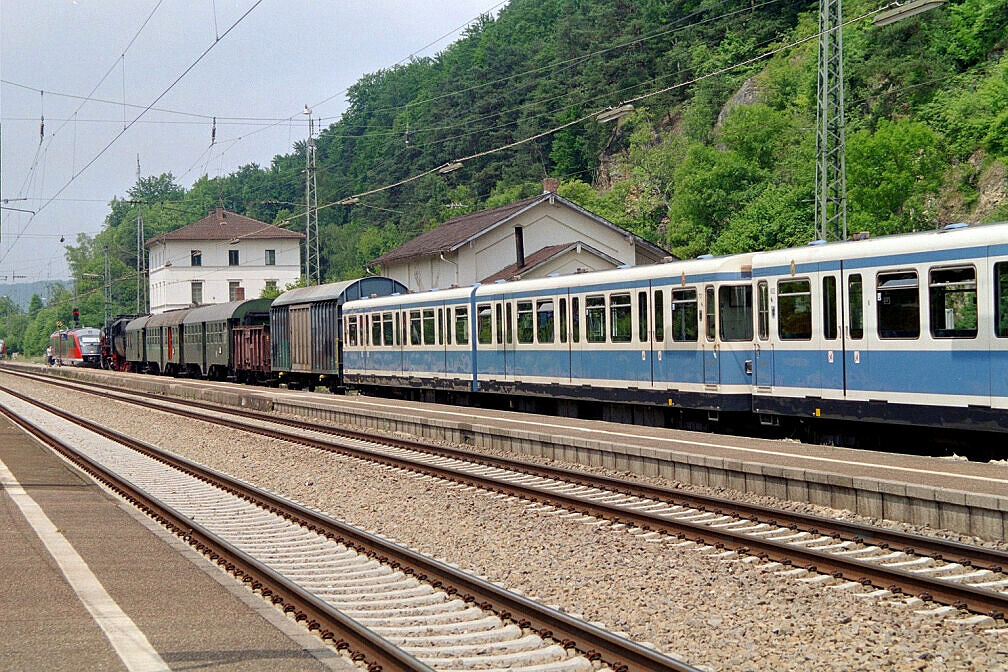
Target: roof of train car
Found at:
346, 290
138, 323
170, 318
233, 310
413, 298
888, 249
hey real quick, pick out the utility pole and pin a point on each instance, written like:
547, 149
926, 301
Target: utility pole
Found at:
312, 272
831, 168
141, 290
108, 288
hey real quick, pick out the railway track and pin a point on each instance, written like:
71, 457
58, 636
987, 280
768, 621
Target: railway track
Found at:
393, 607
892, 562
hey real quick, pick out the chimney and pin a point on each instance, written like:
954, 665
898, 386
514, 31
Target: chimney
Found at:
519, 248
550, 185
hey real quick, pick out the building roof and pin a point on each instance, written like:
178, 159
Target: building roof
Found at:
223, 224
542, 256
456, 232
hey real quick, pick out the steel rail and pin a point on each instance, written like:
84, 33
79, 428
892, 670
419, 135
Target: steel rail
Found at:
983, 601
940, 549
332, 625
595, 643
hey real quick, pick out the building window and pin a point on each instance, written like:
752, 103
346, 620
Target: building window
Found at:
271, 286
271, 257
197, 293
235, 291
195, 258
232, 257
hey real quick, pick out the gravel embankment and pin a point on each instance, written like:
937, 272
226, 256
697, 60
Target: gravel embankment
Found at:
725, 615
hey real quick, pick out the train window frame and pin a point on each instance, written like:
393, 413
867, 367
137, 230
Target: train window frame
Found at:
1000, 278
352, 330
595, 319
429, 326
643, 334
942, 290
763, 310
831, 326
728, 309
462, 325
526, 321
659, 316
621, 317
685, 315
387, 329
794, 309
710, 313
415, 327
855, 307
484, 318
909, 286
545, 321
562, 311
575, 319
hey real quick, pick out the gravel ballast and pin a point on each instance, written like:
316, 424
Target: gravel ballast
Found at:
723, 614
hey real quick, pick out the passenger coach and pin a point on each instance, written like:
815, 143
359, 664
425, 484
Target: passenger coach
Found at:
908, 329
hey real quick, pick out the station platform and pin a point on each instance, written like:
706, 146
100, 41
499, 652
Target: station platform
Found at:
965, 497
91, 584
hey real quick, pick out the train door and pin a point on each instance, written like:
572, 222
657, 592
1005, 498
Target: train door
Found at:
856, 301
763, 350
659, 311
711, 345
577, 337
566, 352
999, 345
831, 351
643, 299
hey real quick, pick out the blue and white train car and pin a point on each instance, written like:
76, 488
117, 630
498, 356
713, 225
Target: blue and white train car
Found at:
908, 329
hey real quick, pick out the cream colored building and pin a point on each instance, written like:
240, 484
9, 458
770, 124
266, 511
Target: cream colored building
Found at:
532, 238
222, 257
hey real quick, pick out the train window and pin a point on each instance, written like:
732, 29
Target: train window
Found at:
484, 323
462, 325
709, 313
544, 321
620, 314
829, 306
736, 312
659, 316
642, 312
415, 328
508, 326
953, 298
684, 315
387, 331
1001, 299
595, 325
763, 310
429, 336
500, 324
576, 320
855, 303
524, 321
352, 330
563, 320
898, 305
445, 327
794, 305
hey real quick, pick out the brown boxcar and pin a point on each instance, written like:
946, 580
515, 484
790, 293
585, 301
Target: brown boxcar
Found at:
251, 347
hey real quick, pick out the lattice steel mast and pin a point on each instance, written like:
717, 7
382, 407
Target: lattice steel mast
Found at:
831, 171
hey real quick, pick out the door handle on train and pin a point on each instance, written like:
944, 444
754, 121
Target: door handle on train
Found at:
748, 367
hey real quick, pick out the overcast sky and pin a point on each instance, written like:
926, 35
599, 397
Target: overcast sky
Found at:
283, 55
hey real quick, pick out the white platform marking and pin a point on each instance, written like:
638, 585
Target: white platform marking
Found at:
129, 642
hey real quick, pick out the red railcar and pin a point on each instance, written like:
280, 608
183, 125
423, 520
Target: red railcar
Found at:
76, 347
251, 347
